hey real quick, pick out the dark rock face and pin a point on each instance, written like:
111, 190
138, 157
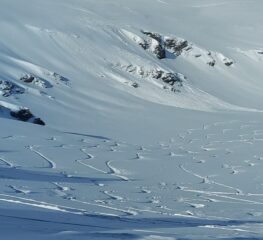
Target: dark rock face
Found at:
212, 63
135, 85
31, 79
144, 45
156, 43
25, 115
229, 63
175, 45
170, 80
39, 121
155, 36
27, 78
159, 52
161, 46
22, 114
8, 88
166, 77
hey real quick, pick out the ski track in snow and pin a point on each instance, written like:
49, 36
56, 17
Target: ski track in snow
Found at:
51, 163
148, 200
8, 163
191, 194
115, 172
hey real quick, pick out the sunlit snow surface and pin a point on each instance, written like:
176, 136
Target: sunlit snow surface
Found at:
119, 162
204, 182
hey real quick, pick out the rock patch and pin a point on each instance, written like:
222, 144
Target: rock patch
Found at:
25, 115
59, 79
170, 80
40, 82
161, 45
168, 77
175, 45
155, 44
8, 88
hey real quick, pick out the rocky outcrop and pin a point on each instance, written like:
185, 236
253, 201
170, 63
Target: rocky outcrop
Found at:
31, 79
22, 114
8, 88
167, 77
60, 79
25, 115
161, 45
159, 51
169, 80
175, 45
46, 81
170, 47
212, 63
39, 121
154, 43
155, 36
135, 85
228, 63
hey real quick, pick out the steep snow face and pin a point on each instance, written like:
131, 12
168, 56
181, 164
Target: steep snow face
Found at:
90, 48
152, 112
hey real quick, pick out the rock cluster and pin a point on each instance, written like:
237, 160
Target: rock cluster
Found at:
8, 88
25, 115
30, 78
175, 45
159, 44
170, 80
155, 44
167, 77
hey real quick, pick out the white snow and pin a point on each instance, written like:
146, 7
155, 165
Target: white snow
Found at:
122, 156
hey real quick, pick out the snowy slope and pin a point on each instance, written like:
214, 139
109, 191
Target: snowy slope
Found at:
152, 112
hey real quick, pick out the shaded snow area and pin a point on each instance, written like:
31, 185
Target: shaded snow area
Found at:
135, 119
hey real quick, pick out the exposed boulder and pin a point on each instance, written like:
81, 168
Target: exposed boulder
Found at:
229, 63
25, 115
135, 85
22, 114
212, 63
39, 121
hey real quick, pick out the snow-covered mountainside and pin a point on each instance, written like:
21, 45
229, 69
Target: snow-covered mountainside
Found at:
131, 119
